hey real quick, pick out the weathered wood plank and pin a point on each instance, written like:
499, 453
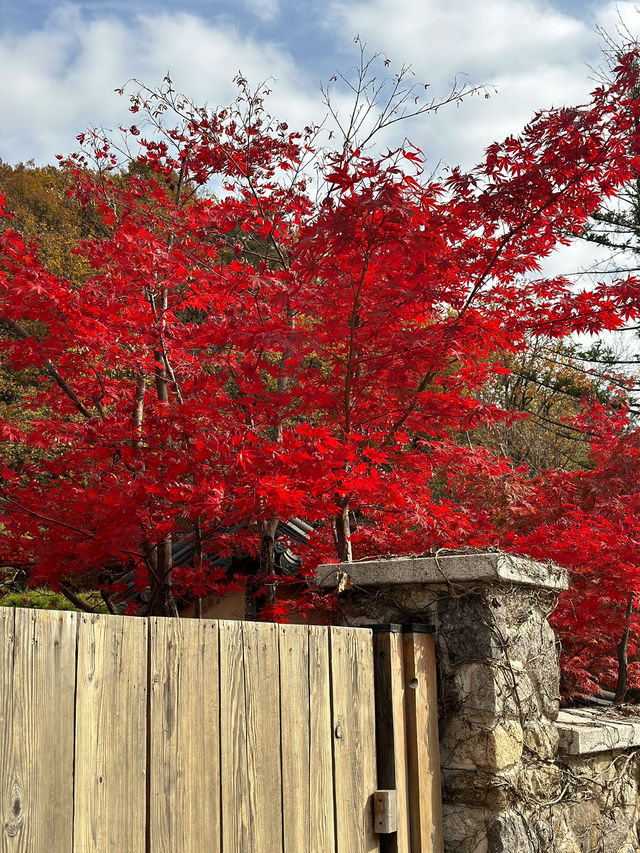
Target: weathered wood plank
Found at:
10, 821
237, 833
294, 701
110, 759
354, 763
184, 785
391, 742
262, 685
291, 720
423, 759
37, 750
321, 804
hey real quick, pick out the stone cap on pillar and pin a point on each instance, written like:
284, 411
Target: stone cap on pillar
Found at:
448, 568
586, 730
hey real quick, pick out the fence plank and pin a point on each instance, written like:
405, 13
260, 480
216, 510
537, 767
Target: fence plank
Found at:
267, 730
236, 820
425, 799
262, 685
37, 753
294, 722
10, 823
321, 808
354, 732
391, 742
184, 785
110, 760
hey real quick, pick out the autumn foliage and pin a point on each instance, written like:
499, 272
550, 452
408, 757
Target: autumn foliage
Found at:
314, 344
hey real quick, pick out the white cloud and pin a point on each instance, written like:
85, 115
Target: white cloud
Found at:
266, 10
534, 55
443, 37
60, 78
619, 19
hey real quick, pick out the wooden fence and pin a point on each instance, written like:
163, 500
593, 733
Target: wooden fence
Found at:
126, 735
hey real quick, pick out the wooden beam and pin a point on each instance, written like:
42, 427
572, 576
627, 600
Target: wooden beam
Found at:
391, 735
423, 753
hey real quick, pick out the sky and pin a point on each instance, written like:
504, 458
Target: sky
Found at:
60, 63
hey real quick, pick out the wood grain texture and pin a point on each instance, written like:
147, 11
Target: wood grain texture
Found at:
237, 830
354, 763
11, 818
391, 740
184, 786
261, 737
37, 730
425, 798
294, 724
110, 761
262, 685
321, 805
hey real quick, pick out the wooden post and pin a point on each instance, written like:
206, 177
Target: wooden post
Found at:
353, 721
391, 741
423, 754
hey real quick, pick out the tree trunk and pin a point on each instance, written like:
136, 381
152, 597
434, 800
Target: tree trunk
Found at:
254, 601
342, 532
161, 600
623, 661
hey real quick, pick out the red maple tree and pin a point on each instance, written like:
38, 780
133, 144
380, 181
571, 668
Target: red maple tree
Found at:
294, 345
589, 521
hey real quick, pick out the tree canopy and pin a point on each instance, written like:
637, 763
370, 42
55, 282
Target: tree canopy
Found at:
315, 339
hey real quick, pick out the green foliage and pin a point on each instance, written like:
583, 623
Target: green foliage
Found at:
46, 599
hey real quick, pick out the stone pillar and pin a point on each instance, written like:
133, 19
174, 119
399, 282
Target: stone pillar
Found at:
498, 681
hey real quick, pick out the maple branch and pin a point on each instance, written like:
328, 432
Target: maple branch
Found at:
161, 355
586, 434
161, 375
506, 239
622, 652
48, 518
49, 368
351, 348
138, 410
107, 601
65, 524
513, 232
74, 599
390, 96
159, 565
426, 379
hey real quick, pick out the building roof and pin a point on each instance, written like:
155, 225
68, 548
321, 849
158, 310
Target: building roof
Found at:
183, 553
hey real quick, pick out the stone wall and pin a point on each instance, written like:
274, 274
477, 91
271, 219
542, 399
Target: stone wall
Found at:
518, 774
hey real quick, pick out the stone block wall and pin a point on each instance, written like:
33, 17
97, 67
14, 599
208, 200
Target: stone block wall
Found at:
518, 774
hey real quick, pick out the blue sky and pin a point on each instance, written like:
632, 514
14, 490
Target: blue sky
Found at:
60, 62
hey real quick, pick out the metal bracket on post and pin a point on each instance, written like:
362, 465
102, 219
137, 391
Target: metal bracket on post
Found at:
385, 811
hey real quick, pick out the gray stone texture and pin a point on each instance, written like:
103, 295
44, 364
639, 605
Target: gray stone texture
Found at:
518, 776
583, 730
449, 568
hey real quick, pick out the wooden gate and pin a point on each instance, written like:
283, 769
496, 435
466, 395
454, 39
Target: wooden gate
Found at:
128, 735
